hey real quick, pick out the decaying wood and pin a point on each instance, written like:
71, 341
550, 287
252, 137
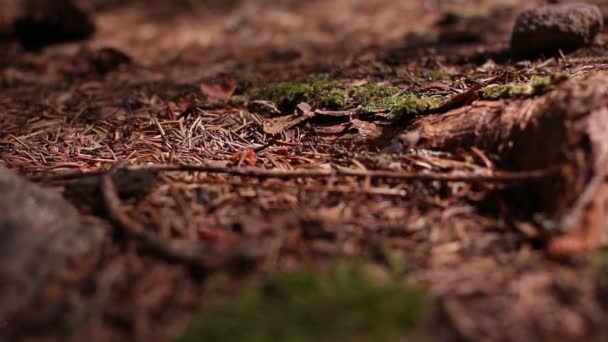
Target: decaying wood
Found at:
567, 129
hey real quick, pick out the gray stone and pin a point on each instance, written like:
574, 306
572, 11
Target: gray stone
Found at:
547, 30
39, 233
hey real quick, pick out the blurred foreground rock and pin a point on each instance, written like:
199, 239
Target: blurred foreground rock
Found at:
38, 23
40, 236
547, 30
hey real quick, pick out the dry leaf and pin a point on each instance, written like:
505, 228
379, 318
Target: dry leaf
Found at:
246, 156
588, 237
182, 108
221, 91
280, 124
367, 129
212, 235
436, 85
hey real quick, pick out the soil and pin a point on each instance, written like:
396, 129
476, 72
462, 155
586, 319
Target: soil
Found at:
173, 83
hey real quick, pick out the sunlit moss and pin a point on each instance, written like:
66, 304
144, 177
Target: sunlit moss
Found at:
536, 86
372, 91
345, 304
409, 104
316, 90
406, 104
379, 98
334, 99
324, 93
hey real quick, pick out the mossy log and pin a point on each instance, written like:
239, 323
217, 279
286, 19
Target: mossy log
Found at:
566, 129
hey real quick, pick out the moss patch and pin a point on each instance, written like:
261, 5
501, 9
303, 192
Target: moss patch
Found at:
536, 86
287, 94
334, 99
316, 90
345, 304
324, 93
371, 92
409, 104
378, 98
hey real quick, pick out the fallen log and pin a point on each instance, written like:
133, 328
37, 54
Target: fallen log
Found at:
567, 128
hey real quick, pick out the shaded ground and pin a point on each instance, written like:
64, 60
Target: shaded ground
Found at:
84, 108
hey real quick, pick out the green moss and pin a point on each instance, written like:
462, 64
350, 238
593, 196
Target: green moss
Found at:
372, 91
345, 304
316, 90
536, 86
287, 94
334, 99
378, 98
498, 91
542, 84
406, 104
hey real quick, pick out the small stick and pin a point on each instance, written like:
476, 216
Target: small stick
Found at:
136, 231
496, 176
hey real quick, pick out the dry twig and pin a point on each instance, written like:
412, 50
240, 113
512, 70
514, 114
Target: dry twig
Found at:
136, 231
495, 176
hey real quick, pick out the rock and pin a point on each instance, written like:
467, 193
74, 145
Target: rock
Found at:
40, 233
38, 23
547, 30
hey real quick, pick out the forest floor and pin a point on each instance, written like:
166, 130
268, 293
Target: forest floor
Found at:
276, 192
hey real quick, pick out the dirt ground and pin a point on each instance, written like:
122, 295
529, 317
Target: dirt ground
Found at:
171, 84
